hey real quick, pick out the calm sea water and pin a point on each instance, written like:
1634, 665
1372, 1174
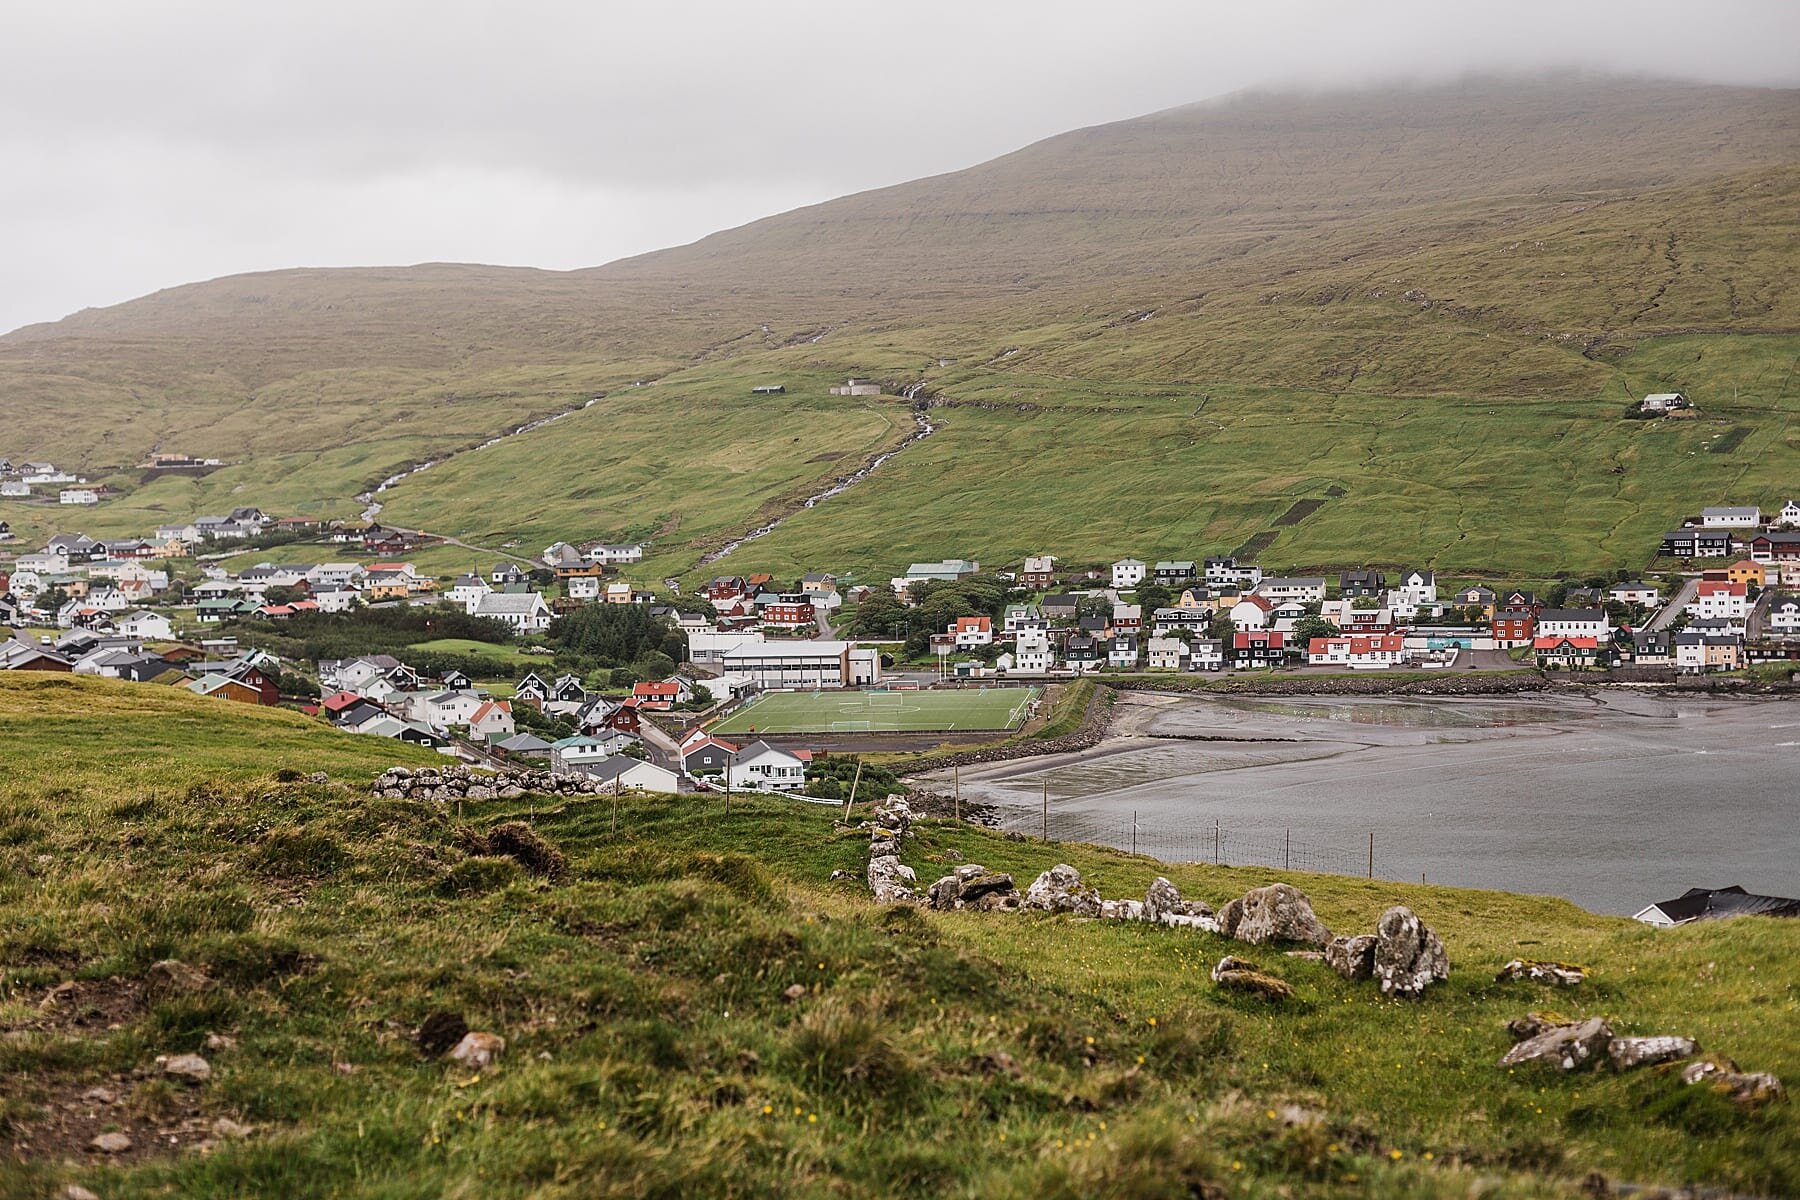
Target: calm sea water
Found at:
1613, 802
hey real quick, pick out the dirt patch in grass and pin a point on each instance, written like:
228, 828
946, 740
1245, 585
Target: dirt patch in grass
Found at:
160, 1116
1257, 544
1300, 510
85, 1004
1730, 440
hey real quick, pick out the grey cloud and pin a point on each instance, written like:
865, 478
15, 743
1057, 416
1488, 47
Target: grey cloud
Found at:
152, 144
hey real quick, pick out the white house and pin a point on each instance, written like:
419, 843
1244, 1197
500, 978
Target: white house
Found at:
582, 587
1166, 654
440, 710
492, 721
762, 767
1305, 589
1720, 600
1357, 652
576, 754
633, 774
1784, 614
1790, 513
1032, 654
1635, 592
1206, 654
1418, 587
15, 489
1731, 517
341, 600
1574, 623
153, 627
1127, 573
615, 554
526, 612
46, 562
1252, 612
972, 631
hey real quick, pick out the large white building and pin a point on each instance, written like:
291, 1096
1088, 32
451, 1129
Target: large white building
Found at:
526, 612
800, 664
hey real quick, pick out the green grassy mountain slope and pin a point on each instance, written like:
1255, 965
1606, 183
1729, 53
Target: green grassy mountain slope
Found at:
653, 1049
1411, 277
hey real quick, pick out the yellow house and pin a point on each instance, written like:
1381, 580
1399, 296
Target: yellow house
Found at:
1746, 572
389, 589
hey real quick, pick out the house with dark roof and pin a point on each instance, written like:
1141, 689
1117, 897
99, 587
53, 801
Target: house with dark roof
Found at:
1715, 904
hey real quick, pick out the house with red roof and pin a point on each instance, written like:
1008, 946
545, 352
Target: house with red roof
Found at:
1567, 652
972, 631
660, 695
1356, 651
493, 721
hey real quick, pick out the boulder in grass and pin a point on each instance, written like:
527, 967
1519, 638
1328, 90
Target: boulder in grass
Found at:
1352, 957
1279, 912
1243, 976
1408, 955
1164, 904
1060, 889
984, 884
891, 881
944, 894
189, 1068
1559, 974
1564, 1047
1750, 1089
1628, 1052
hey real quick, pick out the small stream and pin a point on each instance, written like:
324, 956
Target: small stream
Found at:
925, 429
374, 504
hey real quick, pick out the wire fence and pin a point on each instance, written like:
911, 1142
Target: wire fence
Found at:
1209, 842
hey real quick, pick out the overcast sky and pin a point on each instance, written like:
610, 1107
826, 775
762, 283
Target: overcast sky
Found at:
151, 144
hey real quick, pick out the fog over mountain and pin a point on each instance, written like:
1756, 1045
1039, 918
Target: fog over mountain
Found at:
150, 147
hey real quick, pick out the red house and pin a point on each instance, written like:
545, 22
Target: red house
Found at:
790, 611
1514, 627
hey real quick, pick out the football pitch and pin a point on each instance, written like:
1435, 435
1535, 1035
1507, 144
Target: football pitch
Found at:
882, 712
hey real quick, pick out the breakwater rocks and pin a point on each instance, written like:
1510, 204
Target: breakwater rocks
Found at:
461, 783
1506, 683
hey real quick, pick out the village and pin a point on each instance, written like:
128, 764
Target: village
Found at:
163, 609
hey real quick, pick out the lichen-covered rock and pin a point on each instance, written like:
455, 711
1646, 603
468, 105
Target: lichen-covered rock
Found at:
1628, 1052
1532, 1024
1749, 1089
1352, 957
1560, 974
944, 894
884, 848
891, 881
1241, 975
997, 902
1408, 955
1060, 890
1122, 910
1163, 903
1279, 912
1565, 1047
977, 886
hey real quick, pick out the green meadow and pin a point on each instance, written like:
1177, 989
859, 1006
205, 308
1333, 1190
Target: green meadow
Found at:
691, 1006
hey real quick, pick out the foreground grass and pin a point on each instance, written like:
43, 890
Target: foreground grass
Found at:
651, 1050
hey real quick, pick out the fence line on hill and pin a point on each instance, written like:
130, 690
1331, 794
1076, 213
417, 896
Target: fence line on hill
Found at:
1200, 842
